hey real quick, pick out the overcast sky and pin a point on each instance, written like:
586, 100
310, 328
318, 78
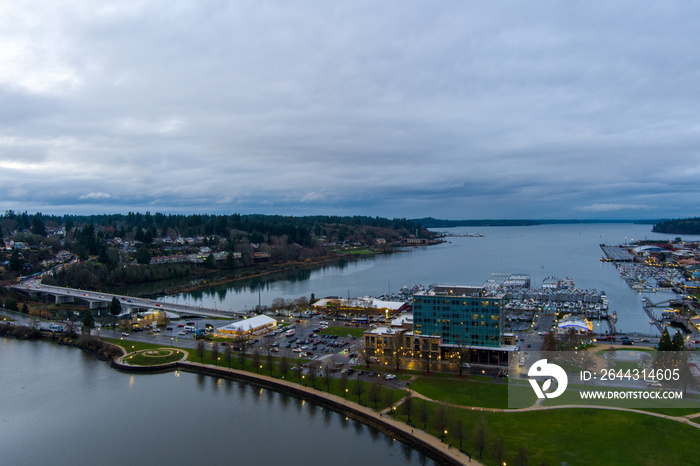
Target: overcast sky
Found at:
449, 109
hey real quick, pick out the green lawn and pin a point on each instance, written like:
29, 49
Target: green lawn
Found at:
154, 357
131, 346
343, 332
574, 436
462, 391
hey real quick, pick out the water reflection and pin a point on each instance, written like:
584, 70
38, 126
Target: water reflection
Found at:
359, 427
407, 452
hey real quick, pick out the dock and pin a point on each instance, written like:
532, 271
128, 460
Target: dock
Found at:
617, 253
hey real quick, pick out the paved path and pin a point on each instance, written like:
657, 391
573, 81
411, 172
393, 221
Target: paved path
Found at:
410, 432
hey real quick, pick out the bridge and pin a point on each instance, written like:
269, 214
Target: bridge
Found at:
97, 299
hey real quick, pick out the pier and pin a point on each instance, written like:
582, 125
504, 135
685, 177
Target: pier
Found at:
617, 253
648, 306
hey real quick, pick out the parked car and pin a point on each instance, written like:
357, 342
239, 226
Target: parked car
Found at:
390, 377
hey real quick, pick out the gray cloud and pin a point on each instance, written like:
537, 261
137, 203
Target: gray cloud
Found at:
458, 110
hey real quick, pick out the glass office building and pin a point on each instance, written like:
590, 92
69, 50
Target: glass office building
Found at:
464, 317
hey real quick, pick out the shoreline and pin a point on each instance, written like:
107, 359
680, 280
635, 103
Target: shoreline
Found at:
414, 437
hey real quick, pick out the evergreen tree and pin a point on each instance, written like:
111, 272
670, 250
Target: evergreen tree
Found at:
677, 343
88, 323
665, 342
115, 309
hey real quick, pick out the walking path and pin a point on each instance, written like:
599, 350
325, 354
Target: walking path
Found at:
409, 434
415, 437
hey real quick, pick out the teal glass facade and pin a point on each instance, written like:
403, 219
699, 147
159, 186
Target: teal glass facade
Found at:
461, 316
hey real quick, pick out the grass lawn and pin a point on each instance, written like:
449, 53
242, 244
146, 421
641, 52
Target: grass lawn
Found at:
463, 392
574, 436
334, 385
154, 357
343, 332
131, 346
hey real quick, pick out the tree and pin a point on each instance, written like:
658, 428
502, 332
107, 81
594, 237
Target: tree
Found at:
228, 354
210, 262
498, 450
143, 257
327, 376
16, 261
459, 430
25, 308
407, 406
365, 356
256, 356
269, 360
375, 392
38, 227
521, 456
241, 342
115, 309
422, 413
396, 353
481, 435
343, 384
677, 344
284, 365
358, 388
665, 342
88, 323
200, 350
215, 352
440, 420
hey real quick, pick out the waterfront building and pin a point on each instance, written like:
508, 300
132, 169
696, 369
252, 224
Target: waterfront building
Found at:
574, 325
465, 318
253, 326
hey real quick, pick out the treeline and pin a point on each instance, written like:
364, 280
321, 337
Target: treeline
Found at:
684, 226
115, 242
94, 275
297, 230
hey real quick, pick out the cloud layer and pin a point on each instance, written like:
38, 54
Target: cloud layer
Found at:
456, 110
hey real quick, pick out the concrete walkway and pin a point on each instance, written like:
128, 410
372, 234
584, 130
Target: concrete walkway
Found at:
413, 436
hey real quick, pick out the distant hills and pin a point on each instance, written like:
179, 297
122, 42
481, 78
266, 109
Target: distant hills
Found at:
430, 222
683, 226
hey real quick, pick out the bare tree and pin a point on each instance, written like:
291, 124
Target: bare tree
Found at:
407, 406
396, 355
459, 431
481, 434
358, 388
366, 356
256, 357
215, 352
200, 350
375, 392
284, 366
270, 360
440, 420
241, 342
228, 354
313, 373
343, 383
521, 456
498, 450
327, 376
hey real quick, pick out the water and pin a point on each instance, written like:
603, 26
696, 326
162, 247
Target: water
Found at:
61, 406
540, 251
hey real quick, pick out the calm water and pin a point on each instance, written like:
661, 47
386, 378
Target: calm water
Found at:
540, 251
61, 406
